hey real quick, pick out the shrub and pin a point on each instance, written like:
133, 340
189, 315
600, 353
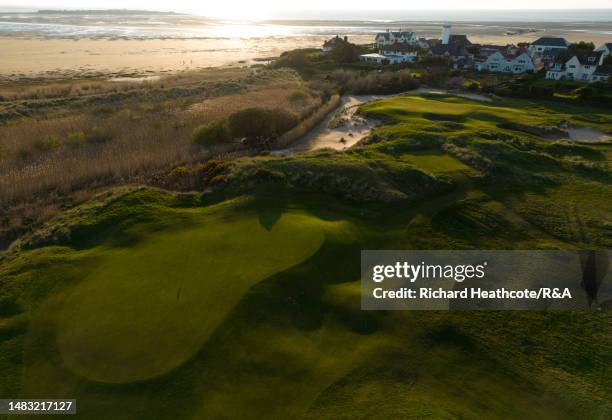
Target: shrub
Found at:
215, 132
99, 135
257, 124
265, 174
473, 86
297, 96
345, 52
48, 143
374, 82
75, 139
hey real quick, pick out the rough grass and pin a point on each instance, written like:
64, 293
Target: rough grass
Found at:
60, 148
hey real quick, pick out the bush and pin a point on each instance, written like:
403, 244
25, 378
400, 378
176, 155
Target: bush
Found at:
215, 132
258, 125
99, 135
265, 174
374, 82
75, 139
48, 144
297, 96
345, 52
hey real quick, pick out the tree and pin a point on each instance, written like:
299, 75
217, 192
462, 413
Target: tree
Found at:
581, 47
345, 52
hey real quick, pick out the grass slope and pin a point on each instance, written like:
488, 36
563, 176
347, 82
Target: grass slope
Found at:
245, 303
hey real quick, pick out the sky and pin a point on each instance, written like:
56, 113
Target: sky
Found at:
270, 8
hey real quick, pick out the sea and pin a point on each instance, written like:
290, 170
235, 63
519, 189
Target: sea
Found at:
168, 25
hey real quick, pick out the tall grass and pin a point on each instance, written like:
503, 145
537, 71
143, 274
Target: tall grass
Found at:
308, 123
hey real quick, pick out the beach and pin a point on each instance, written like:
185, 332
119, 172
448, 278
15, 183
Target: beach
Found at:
80, 45
60, 58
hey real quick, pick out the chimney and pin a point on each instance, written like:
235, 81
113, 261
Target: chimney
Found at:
445, 33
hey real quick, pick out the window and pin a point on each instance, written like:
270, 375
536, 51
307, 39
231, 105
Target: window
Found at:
571, 66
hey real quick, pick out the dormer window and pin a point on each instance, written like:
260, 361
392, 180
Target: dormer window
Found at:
591, 59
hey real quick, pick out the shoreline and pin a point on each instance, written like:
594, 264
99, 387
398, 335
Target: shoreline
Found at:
36, 56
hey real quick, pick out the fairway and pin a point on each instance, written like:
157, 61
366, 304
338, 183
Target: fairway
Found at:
414, 108
435, 162
171, 291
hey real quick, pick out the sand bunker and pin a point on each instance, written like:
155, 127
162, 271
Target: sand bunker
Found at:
588, 135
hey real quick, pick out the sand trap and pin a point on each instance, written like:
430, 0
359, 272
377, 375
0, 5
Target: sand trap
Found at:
587, 135
472, 96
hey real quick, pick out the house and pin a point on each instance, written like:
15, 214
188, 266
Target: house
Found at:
510, 60
456, 49
605, 49
406, 53
556, 71
580, 67
424, 43
457, 40
392, 37
602, 73
330, 43
549, 48
548, 43
375, 58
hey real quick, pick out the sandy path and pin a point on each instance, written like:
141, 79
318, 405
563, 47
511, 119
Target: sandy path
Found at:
342, 136
354, 128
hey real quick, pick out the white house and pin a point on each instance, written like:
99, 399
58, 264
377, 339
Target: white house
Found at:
375, 58
601, 74
605, 49
579, 67
511, 60
393, 37
406, 53
548, 43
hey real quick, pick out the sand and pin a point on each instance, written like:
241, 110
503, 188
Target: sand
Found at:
67, 57
23, 57
327, 135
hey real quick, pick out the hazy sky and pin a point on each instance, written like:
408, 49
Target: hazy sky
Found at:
263, 8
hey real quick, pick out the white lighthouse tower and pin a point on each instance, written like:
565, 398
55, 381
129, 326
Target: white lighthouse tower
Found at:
445, 33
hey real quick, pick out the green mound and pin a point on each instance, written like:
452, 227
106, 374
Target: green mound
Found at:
170, 292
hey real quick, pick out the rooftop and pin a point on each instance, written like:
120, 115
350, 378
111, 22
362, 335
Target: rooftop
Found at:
550, 41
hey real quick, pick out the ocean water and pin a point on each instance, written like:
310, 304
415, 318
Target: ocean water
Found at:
147, 25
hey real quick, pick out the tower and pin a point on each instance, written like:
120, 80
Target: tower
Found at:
445, 33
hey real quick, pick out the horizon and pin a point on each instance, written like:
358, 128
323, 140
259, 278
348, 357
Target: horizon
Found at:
559, 14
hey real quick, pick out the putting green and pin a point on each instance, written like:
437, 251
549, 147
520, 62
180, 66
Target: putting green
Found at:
148, 308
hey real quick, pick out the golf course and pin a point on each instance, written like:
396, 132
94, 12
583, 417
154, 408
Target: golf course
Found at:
241, 299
